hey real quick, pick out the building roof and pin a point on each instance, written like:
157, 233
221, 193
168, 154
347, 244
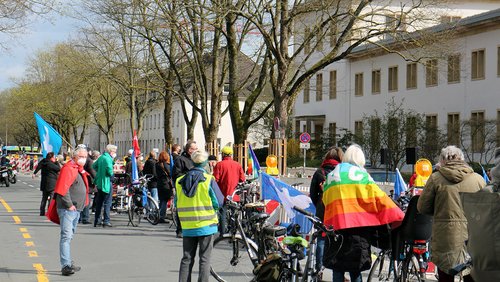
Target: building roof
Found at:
463, 26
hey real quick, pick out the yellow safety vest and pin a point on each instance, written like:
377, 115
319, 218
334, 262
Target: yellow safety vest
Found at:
198, 211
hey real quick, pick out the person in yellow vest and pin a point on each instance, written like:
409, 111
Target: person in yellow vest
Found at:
197, 199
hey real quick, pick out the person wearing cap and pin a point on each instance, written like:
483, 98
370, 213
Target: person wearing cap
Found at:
228, 173
197, 199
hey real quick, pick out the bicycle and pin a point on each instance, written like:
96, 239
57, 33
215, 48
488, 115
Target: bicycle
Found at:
141, 204
234, 255
171, 212
407, 256
291, 270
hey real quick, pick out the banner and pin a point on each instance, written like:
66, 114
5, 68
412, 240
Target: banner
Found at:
50, 139
253, 166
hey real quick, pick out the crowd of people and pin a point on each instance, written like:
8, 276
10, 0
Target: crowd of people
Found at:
342, 190
192, 176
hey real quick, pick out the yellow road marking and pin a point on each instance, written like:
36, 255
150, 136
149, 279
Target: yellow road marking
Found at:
32, 254
29, 244
22, 229
41, 273
16, 218
5, 205
26, 236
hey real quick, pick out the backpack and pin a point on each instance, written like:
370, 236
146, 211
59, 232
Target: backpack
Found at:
268, 270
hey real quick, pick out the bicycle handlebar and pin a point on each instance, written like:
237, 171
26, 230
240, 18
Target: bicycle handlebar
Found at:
318, 224
302, 211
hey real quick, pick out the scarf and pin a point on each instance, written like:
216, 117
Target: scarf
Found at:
330, 163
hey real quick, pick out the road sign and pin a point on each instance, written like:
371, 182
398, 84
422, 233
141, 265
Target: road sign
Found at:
305, 145
305, 137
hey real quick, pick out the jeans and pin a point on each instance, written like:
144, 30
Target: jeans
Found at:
69, 220
163, 208
189, 246
339, 276
45, 201
154, 193
103, 200
320, 248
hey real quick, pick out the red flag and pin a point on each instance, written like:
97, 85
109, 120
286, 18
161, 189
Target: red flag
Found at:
135, 144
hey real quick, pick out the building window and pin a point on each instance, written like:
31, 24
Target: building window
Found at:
319, 87
319, 39
411, 132
477, 131
376, 82
453, 129
477, 67
498, 61
498, 128
358, 84
431, 72
449, 19
306, 91
393, 78
333, 85
307, 41
431, 133
358, 131
454, 68
411, 76
332, 133
333, 33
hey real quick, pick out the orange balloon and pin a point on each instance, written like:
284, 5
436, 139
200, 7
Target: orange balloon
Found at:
423, 167
272, 161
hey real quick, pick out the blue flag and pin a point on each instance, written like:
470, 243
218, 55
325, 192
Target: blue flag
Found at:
50, 139
485, 176
399, 185
288, 197
135, 171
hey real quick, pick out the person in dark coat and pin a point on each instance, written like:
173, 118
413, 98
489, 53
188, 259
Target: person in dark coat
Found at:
85, 214
182, 165
332, 158
165, 185
150, 169
50, 171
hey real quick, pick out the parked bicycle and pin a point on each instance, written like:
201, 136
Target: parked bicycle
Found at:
171, 213
234, 255
141, 204
406, 256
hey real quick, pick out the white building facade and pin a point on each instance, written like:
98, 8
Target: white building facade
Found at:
463, 86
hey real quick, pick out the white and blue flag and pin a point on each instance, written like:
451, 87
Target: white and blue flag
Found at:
399, 185
50, 139
288, 197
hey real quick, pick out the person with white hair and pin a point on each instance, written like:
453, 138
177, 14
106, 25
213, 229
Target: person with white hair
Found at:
71, 192
354, 205
104, 174
197, 199
440, 198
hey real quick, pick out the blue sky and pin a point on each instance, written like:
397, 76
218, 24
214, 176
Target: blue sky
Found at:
42, 34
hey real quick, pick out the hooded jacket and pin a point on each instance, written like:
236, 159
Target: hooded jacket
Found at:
440, 198
188, 185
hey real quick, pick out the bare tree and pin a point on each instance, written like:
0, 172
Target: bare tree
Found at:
345, 25
478, 140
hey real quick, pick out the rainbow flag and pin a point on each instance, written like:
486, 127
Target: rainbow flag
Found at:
352, 199
253, 167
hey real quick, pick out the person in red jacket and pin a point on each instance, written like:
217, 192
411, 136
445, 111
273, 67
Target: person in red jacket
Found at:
71, 195
228, 173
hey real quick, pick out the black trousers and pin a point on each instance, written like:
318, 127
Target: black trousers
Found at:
46, 197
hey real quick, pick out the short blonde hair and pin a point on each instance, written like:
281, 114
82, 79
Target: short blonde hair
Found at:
354, 155
111, 148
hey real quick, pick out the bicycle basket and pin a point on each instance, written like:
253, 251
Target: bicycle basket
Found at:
269, 269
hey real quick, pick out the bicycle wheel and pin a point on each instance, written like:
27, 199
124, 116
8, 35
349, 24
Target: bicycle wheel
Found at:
410, 270
134, 212
230, 260
152, 212
382, 269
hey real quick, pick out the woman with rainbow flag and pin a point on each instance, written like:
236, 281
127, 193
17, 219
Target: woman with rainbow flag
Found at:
353, 205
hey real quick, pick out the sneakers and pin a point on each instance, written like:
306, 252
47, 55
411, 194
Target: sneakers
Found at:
179, 235
70, 270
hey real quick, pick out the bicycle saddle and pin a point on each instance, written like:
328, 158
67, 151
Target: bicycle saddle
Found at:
259, 217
